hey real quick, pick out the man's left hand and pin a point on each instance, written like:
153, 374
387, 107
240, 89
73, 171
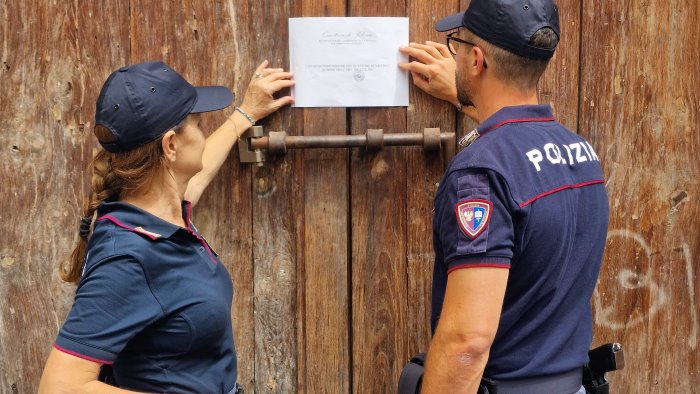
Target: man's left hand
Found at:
433, 69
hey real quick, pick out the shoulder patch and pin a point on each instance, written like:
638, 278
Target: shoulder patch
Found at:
473, 216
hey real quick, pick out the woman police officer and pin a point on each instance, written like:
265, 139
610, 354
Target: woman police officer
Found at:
153, 299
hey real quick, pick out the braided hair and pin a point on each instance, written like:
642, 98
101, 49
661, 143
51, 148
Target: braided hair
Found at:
114, 176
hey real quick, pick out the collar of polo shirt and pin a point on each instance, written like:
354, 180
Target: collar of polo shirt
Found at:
139, 221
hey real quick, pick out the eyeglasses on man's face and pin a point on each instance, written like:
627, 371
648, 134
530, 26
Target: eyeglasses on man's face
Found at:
453, 43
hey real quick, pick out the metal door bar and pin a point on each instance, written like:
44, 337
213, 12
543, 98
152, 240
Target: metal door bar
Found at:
255, 141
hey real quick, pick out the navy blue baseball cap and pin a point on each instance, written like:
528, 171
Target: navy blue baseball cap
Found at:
141, 102
508, 24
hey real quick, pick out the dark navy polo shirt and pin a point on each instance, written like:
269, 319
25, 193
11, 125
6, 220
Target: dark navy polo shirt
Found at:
155, 301
529, 196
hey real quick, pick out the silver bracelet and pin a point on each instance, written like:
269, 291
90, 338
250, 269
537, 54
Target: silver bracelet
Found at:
245, 114
459, 106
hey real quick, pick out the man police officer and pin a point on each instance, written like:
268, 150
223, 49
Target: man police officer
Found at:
521, 213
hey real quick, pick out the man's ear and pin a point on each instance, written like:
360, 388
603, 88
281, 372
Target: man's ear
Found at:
169, 144
478, 61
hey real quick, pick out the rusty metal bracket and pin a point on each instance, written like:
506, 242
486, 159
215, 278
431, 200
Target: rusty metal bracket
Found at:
276, 143
245, 153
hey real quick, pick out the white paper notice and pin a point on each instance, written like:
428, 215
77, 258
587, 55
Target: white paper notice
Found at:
348, 62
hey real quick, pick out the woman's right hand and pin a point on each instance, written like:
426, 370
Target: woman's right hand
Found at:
259, 100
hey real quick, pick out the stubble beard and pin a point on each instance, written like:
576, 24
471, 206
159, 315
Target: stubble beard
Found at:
464, 92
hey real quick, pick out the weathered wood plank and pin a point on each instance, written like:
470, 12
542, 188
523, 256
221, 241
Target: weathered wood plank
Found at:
324, 275
53, 60
640, 109
559, 84
378, 259
424, 171
278, 214
182, 35
378, 209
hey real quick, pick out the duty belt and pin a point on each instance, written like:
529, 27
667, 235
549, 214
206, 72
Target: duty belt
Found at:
567, 382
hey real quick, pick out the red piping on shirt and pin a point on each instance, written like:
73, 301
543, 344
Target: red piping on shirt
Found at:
201, 240
521, 120
122, 225
189, 213
482, 265
84, 357
560, 188
206, 245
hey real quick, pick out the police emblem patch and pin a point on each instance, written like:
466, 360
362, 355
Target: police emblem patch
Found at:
473, 216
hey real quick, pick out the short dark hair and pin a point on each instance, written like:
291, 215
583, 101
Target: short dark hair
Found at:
518, 71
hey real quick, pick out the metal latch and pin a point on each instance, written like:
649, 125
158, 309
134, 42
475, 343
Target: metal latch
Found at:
255, 140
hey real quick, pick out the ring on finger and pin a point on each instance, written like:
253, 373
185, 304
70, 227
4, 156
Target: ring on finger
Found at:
259, 75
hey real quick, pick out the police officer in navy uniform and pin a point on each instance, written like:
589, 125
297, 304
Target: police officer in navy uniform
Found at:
153, 299
521, 213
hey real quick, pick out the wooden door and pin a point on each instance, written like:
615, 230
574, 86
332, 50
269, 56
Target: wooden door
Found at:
330, 250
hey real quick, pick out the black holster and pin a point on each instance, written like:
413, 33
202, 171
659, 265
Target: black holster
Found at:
604, 358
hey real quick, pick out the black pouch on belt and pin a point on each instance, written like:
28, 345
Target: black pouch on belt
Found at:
106, 375
412, 375
487, 386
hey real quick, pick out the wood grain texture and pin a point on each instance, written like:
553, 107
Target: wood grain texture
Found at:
378, 209
53, 61
278, 214
378, 184
423, 171
639, 108
558, 86
324, 365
